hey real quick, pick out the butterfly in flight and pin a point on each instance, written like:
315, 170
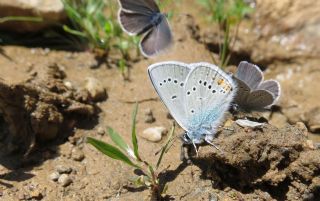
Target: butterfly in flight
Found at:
143, 17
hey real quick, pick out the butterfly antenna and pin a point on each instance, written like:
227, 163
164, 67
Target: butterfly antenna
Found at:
195, 148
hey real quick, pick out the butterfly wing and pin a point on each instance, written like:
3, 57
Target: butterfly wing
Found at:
259, 99
168, 79
271, 86
148, 7
157, 39
134, 23
249, 74
243, 91
209, 92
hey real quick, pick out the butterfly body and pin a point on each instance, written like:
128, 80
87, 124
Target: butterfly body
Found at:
157, 18
197, 96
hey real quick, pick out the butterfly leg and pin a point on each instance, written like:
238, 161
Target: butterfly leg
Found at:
185, 150
213, 145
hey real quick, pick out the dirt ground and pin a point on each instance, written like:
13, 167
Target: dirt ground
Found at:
278, 162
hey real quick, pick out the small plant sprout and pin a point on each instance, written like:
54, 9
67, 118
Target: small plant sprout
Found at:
131, 156
228, 14
99, 32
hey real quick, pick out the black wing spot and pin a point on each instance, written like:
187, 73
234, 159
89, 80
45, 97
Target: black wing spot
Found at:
164, 81
200, 81
169, 79
175, 81
160, 84
174, 97
192, 111
181, 84
209, 86
213, 91
188, 93
194, 89
205, 83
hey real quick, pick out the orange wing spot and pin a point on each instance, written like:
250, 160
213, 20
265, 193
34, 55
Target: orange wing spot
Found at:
220, 81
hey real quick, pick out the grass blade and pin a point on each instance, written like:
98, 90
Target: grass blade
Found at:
74, 32
20, 18
165, 147
111, 151
118, 140
133, 134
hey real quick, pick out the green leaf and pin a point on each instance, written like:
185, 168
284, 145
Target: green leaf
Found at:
111, 151
165, 147
133, 134
108, 27
118, 140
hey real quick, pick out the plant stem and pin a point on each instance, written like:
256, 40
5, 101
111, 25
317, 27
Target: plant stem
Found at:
225, 47
234, 39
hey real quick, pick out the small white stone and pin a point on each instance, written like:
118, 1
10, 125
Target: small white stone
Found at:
248, 123
95, 89
68, 84
54, 176
154, 134
64, 180
63, 169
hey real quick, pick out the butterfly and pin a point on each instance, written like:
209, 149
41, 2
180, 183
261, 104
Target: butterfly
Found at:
143, 17
254, 93
197, 96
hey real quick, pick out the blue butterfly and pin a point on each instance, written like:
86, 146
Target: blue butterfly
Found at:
197, 96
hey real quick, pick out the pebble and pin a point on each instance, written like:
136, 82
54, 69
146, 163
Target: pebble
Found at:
68, 84
37, 195
310, 144
63, 169
95, 89
64, 180
77, 154
101, 130
54, 176
313, 119
149, 118
154, 134
278, 120
293, 114
302, 127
